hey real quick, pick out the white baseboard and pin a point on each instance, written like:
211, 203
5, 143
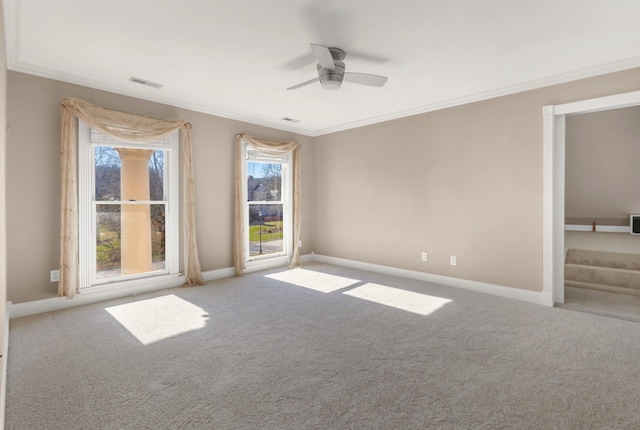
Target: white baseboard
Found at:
599, 228
266, 264
537, 297
58, 303
307, 258
5, 358
211, 275
155, 284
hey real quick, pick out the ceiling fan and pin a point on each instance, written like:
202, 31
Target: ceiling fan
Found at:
331, 71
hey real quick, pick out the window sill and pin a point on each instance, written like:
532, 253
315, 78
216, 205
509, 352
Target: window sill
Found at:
137, 285
267, 263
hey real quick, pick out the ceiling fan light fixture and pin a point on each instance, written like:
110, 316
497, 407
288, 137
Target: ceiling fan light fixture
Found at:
331, 81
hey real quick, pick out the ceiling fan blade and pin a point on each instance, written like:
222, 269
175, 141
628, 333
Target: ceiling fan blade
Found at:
298, 63
310, 81
323, 55
365, 79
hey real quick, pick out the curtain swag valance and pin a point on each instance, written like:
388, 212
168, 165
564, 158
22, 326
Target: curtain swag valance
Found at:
270, 148
121, 125
127, 127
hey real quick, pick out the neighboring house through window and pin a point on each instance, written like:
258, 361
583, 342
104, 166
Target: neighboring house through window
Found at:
268, 205
261, 193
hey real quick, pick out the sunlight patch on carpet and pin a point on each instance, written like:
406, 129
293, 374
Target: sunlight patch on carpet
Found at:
422, 304
317, 281
159, 318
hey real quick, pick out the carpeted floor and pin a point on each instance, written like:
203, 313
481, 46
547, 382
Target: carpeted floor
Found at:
321, 348
613, 305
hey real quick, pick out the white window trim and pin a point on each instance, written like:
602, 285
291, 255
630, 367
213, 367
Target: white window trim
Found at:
262, 262
86, 213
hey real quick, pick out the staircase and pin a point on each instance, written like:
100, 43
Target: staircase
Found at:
614, 272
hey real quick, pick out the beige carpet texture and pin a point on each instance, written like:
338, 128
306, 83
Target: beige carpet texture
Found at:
322, 347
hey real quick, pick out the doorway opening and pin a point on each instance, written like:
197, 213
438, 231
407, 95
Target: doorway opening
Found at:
554, 154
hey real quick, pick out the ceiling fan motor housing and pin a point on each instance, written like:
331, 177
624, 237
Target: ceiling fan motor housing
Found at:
331, 79
331, 70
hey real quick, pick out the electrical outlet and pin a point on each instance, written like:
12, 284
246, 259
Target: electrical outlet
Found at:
454, 261
300, 244
423, 257
54, 276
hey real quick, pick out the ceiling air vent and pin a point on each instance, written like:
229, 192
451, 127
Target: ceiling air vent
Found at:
293, 120
145, 82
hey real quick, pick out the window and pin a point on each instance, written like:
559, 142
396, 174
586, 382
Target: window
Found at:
128, 197
268, 209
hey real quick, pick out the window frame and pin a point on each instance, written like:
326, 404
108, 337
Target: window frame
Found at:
259, 262
87, 210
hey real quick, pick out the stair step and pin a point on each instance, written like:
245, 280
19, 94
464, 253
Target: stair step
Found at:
617, 260
600, 287
602, 275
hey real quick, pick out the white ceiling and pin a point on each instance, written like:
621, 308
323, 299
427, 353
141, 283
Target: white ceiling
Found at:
234, 58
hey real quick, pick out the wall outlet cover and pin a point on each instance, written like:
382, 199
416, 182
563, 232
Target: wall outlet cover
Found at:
54, 276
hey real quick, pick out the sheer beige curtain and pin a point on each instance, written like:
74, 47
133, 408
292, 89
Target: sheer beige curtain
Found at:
123, 126
274, 148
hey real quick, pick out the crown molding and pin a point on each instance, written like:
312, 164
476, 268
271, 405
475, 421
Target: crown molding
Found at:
12, 29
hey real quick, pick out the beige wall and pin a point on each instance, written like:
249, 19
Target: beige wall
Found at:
33, 178
464, 181
602, 166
